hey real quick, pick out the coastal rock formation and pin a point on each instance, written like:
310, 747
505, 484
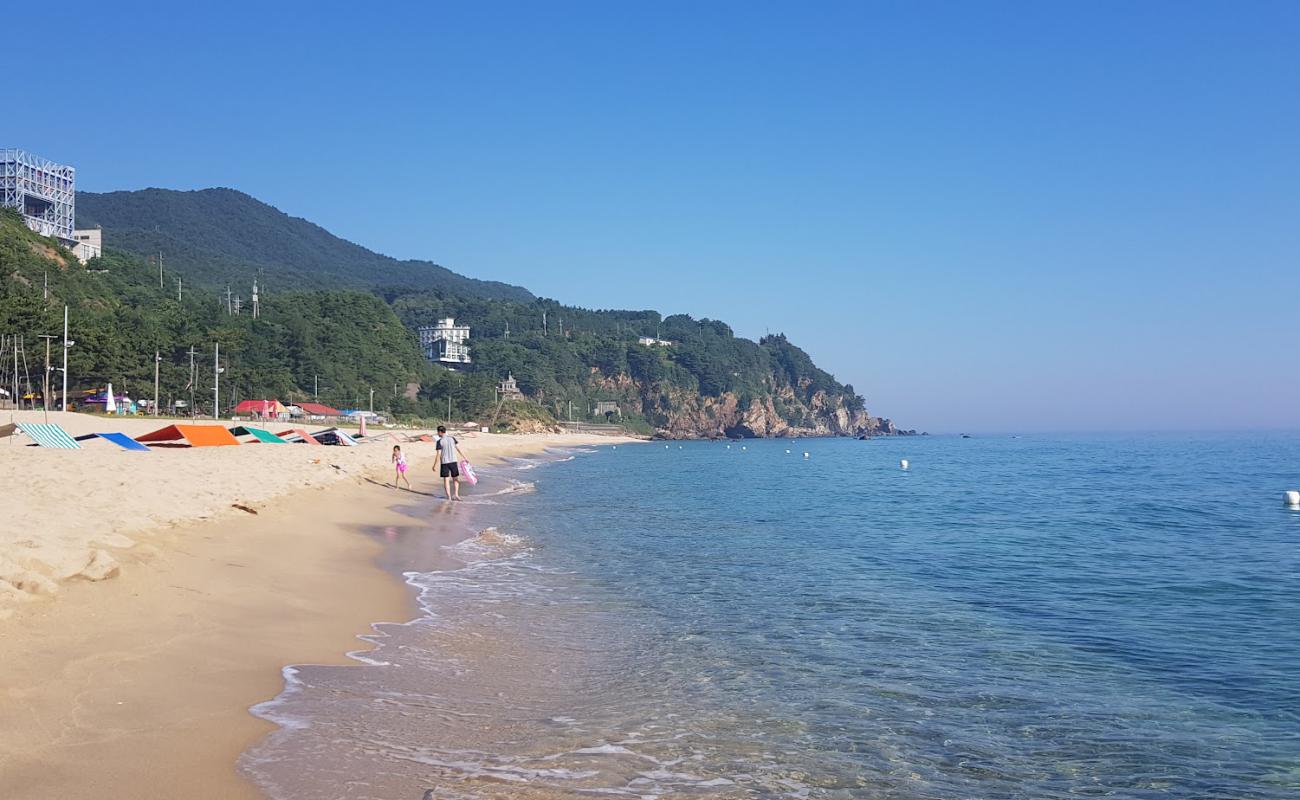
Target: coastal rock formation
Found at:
783, 412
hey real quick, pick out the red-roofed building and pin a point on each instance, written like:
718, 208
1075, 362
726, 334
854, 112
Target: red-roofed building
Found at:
318, 410
263, 409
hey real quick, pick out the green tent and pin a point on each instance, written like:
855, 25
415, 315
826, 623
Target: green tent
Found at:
258, 434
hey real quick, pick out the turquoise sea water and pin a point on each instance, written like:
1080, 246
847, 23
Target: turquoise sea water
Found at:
1036, 617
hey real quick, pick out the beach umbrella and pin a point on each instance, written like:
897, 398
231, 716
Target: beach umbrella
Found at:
110, 407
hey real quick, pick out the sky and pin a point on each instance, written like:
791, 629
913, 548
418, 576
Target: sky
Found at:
986, 216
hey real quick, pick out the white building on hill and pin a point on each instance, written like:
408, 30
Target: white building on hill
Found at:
445, 342
89, 243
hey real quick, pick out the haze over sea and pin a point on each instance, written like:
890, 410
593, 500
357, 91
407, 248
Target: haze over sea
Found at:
1035, 617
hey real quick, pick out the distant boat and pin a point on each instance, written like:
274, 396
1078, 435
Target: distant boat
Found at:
967, 436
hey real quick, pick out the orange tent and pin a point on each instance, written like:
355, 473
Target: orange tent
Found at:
191, 436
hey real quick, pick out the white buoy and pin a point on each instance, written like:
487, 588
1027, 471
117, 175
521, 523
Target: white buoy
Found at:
787, 452
679, 447
903, 463
742, 447
728, 447
1292, 498
805, 455
665, 447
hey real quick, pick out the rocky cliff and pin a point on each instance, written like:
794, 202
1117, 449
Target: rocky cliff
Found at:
782, 412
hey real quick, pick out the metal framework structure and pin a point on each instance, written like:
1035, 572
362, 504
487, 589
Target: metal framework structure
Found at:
42, 191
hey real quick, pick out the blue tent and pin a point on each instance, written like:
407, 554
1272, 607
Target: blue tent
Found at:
120, 439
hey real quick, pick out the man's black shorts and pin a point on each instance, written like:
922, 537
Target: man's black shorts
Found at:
450, 471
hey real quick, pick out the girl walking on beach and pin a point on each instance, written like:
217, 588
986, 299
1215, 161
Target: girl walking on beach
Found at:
399, 461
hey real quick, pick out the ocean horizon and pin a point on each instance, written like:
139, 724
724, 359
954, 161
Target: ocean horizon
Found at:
1032, 616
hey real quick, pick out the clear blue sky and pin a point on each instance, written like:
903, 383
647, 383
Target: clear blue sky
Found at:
984, 215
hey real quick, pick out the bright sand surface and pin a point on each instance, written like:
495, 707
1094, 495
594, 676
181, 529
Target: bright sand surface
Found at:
138, 685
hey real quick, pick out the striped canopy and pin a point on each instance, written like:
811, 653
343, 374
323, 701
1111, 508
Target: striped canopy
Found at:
47, 434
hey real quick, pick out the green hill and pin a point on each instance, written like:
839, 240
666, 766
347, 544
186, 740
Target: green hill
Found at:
213, 237
345, 342
349, 315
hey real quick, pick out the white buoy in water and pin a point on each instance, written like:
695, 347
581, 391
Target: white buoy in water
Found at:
679, 447
1292, 498
805, 455
903, 463
742, 447
728, 447
787, 452
665, 447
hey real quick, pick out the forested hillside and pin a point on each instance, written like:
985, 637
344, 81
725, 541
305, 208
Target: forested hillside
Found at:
349, 327
707, 382
215, 237
345, 342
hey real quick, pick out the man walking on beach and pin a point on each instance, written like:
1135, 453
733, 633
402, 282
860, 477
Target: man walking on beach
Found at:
447, 462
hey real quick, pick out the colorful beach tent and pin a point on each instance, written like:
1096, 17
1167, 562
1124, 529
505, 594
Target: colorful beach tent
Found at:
334, 436
297, 436
191, 435
47, 434
120, 439
258, 434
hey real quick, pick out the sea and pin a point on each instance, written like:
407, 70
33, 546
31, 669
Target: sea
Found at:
1037, 616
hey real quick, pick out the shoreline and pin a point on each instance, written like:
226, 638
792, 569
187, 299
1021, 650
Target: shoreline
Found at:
141, 686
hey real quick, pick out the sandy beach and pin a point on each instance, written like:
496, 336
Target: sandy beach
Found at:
144, 614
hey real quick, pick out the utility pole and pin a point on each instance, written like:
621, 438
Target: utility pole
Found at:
160, 278
315, 392
229, 308
193, 378
372, 400
216, 380
45, 385
544, 329
178, 289
66, 345
157, 359
46, 295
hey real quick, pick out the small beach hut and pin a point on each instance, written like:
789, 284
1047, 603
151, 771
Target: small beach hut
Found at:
190, 436
258, 435
120, 439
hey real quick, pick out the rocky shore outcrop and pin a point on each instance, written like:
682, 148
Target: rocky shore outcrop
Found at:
784, 411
